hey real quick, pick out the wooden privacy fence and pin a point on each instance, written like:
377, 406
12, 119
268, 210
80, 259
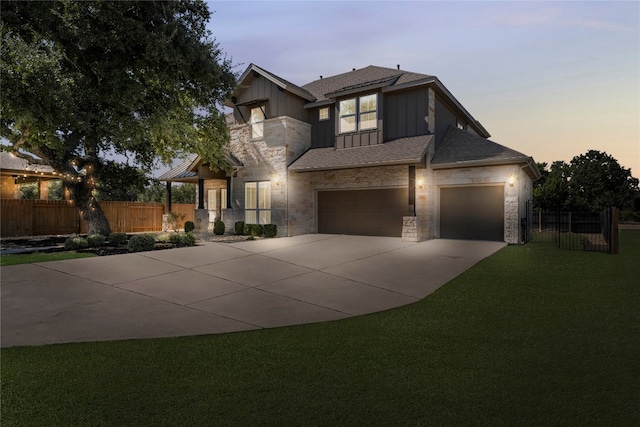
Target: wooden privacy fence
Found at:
42, 217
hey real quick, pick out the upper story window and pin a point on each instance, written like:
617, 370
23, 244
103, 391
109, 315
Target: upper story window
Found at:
460, 124
257, 119
359, 113
323, 114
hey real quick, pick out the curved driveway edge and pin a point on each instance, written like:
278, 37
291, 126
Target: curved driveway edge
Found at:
224, 287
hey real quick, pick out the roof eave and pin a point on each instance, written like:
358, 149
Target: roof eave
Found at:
483, 132
482, 162
359, 165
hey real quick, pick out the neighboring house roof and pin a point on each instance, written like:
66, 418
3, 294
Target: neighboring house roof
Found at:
399, 151
10, 163
461, 148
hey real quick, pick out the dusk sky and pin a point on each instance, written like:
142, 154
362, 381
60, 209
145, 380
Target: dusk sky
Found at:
549, 79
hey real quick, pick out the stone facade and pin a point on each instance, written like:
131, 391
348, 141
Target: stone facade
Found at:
487, 175
267, 159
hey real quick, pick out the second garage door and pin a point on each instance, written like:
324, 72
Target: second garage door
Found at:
475, 213
376, 212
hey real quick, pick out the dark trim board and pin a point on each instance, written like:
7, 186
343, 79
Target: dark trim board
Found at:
371, 212
472, 213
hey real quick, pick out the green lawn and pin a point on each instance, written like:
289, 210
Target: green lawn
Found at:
533, 335
15, 259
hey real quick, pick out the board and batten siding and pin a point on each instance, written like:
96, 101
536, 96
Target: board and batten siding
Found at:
406, 113
444, 118
322, 132
279, 102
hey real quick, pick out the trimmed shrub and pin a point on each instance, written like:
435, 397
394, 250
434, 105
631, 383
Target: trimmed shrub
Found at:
141, 242
96, 240
164, 238
189, 239
118, 239
182, 239
256, 230
74, 243
270, 230
246, 230
218, 227
238, 228
189, 226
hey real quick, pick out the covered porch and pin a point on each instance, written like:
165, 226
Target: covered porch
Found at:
214, 191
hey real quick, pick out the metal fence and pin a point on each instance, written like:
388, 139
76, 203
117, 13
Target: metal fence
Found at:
586, 231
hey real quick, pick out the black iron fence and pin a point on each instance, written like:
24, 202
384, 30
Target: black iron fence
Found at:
587, 231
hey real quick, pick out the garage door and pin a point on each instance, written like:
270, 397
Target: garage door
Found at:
475, 213
365, 212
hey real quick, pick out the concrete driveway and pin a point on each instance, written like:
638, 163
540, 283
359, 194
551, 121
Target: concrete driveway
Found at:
224, 287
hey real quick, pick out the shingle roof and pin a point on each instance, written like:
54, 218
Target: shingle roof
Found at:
461, 147
399, 151
360, 78
11, 162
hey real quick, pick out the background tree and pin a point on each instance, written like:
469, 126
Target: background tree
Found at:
590, 182
56, 192
154, 192
29, 191
598, 181
120, 182
83, 81
185, 193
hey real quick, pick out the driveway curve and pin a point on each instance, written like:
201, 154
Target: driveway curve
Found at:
224, 287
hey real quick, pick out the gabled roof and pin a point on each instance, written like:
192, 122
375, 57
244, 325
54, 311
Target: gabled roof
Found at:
461, 148
399, 151
278, 81
364, 77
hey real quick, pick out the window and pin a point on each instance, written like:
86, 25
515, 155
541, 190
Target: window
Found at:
460, 124
368, 117
359, 116
257, 118
323, 114
223, 198
257, 202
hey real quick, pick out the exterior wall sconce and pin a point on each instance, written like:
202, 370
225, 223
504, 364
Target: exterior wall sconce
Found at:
420, 183
511, 180
276, 180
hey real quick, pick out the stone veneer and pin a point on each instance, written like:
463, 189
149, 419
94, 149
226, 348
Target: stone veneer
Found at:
515, 196
267, 159
294, 197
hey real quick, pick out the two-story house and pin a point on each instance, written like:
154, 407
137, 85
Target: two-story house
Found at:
374, 151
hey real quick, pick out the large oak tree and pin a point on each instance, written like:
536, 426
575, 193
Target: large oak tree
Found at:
82, 81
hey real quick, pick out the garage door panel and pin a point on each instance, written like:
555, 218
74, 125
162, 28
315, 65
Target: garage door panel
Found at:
475, 213
376, 212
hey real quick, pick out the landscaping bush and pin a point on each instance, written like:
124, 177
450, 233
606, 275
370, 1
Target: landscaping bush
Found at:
256, 230
173, 219
246, 230
74, 243
218, 227
270, 230
141, 242
189, 239
164, 238
182, 239
118, 239
189, 226
96, 240
238, 228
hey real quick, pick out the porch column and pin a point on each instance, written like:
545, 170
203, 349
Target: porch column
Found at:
200, 193
168, 197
